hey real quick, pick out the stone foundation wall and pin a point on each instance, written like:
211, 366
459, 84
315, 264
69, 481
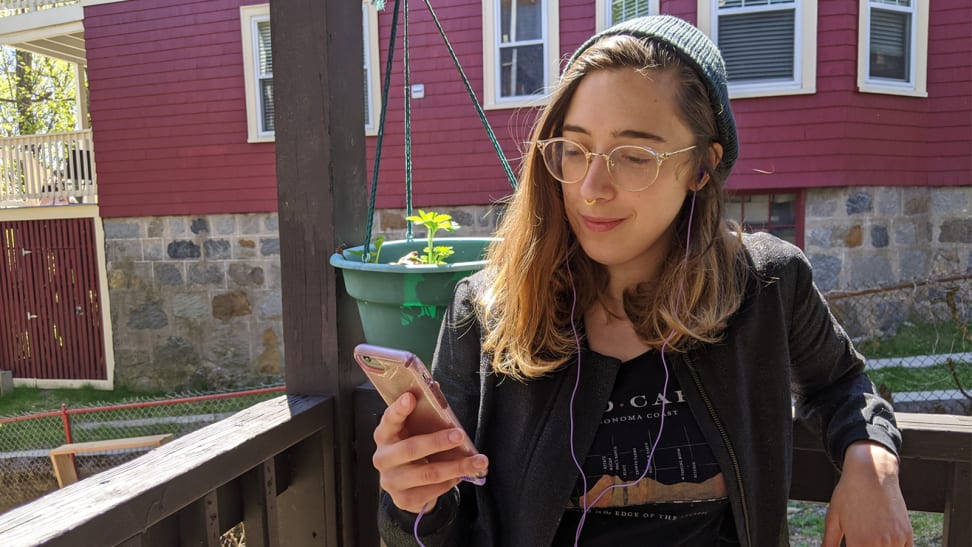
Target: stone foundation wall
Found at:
195, 301
878, 236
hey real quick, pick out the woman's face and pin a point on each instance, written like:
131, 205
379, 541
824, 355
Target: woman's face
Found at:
627, 232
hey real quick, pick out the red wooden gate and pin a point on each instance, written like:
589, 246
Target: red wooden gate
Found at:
50, 306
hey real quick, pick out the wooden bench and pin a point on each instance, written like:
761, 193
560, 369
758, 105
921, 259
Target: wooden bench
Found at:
61, 457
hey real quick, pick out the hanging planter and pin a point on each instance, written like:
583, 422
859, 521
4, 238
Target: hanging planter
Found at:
403, 287
401, 306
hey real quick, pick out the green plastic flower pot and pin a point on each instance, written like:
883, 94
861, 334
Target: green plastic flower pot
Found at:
402, 306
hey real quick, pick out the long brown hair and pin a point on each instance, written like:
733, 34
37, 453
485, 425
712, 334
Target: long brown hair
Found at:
535, 268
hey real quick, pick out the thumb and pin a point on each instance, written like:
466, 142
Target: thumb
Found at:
832, 530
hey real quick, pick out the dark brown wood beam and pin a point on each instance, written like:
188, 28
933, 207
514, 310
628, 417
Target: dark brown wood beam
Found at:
321, 189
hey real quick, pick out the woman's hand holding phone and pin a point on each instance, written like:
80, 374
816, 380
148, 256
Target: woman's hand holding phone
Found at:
403, 461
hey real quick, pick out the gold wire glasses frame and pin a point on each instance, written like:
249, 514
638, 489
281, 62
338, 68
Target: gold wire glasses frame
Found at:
632, 168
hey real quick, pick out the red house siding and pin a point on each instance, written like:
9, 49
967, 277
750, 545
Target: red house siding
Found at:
168, 108
169, 112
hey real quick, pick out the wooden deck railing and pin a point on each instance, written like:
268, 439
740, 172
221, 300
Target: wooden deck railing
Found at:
272, 468
51, 169
268, 466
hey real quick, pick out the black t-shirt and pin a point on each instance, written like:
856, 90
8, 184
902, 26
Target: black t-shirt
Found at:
681, 501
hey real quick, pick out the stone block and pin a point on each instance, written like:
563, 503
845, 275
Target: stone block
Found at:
854, 237
245, 248
956, 230
217, 249
169, 274
148, 315
231, 304
271, 223
250, 224
904, 233
191, 306
177, 226
270, 247
951, 201
879, 236
199, 225
818, 206
826, 271
916, 202
860, 202
153, 249
270, 359
224, 224
6, 382
819, 237
245, 275
870, 270
156, 228
121, 250
183, 249
121, 230
914, 265
392, 220
271, 305
206, 274
888, 201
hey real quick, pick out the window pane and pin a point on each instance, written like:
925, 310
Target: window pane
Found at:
734, 209
902, 3
890, 45
265, 60
783, 209
266, 104
521, 71
521, 20
622, 10
367, 71
786, 234
750, 3
757, 210
758, 46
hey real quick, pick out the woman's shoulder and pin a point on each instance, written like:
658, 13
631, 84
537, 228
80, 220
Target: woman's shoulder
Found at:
772, 256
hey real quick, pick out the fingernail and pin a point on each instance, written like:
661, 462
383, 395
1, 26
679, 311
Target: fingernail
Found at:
455, 436
479, 462
403, 402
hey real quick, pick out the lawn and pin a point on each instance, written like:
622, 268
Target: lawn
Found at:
25, 400
919, 339
937, 377
806, 521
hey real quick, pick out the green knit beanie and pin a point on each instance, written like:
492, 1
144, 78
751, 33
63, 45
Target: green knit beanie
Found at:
696, 50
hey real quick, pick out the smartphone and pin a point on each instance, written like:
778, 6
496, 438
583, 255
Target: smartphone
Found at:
395, 371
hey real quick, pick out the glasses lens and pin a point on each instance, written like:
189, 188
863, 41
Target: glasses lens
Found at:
633, 168
565, 160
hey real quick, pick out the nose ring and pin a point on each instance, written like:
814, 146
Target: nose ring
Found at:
590, 202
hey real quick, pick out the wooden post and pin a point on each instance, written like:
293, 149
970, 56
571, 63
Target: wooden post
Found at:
322, 203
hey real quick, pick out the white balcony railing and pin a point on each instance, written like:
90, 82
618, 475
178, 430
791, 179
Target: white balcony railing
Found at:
17, 7
52, 169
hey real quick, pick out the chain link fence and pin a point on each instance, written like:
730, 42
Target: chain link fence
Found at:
917, 339
26, 472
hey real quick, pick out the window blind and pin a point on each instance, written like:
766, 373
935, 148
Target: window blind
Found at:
622, 10
758, 46
890, 44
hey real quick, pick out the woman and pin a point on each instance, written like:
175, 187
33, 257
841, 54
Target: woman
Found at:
626, 363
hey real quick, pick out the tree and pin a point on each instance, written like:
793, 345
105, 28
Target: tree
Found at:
37, 94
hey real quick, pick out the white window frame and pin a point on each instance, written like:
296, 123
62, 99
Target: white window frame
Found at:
918, 85
372, 62
805, 50
603, 15
550, 32
249, 17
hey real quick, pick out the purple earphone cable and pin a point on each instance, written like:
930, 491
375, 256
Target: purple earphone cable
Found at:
661, 425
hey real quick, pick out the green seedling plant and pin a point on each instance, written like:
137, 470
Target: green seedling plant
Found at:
433, 222
372, 256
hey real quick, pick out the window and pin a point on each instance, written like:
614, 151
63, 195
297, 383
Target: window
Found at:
778, 214
372, 81
893, 46
520, 51
258, 70
610, 12
769, 45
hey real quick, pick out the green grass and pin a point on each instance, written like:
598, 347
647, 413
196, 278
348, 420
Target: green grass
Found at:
900, 379
25, 400
806, 520
919, 339
42, 433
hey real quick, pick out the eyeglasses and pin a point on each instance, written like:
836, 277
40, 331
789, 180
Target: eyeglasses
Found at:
632, 168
